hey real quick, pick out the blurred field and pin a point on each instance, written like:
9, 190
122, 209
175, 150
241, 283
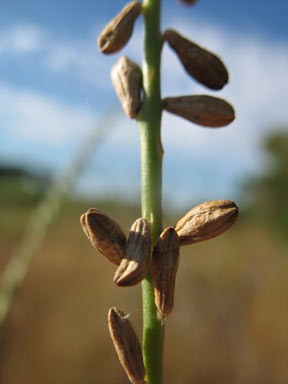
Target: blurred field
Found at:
229, 324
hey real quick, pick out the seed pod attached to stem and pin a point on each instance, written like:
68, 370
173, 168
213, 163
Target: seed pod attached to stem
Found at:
135, 264
164, 266
188, 2
204, 110
104, 234
127, 80
119, 30
127, 345
206, 221
204, 66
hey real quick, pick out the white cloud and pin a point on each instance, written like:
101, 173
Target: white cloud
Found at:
21, 38
80, 56
33, 117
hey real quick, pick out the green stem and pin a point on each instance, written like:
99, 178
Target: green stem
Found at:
149, 120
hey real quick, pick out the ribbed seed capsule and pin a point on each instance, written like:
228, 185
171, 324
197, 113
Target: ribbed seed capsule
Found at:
104, 234
204, 110
119, 30
135, 264
127, 345
206, 221
164, 266
127, 79
204, 66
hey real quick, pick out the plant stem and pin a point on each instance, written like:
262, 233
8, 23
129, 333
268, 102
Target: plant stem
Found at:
149, 120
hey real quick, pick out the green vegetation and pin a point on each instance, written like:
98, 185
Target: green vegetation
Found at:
268, 192
20, 185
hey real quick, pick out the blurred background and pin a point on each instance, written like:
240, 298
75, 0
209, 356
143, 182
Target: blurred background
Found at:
66, 145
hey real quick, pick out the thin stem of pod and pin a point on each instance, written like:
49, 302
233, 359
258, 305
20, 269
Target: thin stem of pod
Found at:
149, 120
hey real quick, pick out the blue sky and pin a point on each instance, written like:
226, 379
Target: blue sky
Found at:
55, 86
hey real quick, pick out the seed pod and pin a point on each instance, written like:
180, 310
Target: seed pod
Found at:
119, 30
164, 266
206, 221
105, 235
188, 2
127, 345
135, 264
203, 65
204, 110
127, 79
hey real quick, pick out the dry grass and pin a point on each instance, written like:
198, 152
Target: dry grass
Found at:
229, 324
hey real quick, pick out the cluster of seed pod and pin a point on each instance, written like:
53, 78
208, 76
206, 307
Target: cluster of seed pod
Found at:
204, 66
133, 255
134, 259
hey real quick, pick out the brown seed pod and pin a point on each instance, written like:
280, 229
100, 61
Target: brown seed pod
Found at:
104, 234
127, 80
127, 345
188, 2
119, 30
206, 221
164, 266
204, 110
204, 66
136, 261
